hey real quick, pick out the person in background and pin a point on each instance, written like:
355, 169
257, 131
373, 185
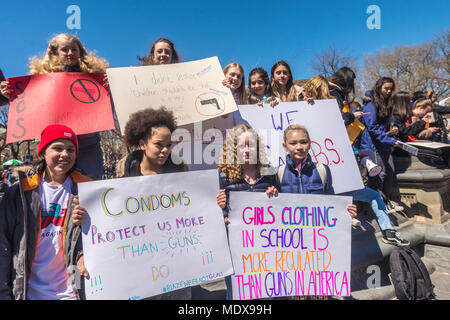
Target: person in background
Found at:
342, 88
3, 100
162, 52
402, 117
259, 88
376, 116
423, 111
235, 81
316, 88
66, 53
282, 82
39, 243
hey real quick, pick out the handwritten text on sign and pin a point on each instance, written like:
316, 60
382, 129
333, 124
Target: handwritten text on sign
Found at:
154, 234
75, 99
192, 90
330, 144
290, 245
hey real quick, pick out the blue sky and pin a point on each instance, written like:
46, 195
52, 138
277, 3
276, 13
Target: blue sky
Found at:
253, 33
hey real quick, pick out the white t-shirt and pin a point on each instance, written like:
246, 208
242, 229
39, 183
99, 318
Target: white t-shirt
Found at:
49, 279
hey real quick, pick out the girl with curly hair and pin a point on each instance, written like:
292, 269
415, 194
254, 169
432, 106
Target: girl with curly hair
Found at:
149, 131
162, 52
66, 53
243, 167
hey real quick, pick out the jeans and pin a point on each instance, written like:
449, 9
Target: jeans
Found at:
385, 180
376, 201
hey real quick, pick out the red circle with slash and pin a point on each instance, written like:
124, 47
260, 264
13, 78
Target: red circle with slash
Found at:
209, 104
85, 91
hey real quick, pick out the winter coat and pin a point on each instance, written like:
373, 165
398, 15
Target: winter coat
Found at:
375, 132
20, 221
307, 181
405, 130
133, 164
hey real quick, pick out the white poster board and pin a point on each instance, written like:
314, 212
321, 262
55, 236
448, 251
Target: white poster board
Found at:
290, 245
152, 234
330, 143
200, 144
192, 90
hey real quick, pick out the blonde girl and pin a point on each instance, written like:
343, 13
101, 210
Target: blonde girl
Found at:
235, 80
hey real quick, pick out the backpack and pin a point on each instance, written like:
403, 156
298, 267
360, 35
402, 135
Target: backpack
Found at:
409, 275
319, 166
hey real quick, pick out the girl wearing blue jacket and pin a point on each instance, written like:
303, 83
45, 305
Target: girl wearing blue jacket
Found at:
301, 174
376, 137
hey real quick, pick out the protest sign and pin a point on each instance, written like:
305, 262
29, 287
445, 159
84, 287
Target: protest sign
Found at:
200, 144
150, 235
408, 148
330, 142
192, 90
289, 245
75, 99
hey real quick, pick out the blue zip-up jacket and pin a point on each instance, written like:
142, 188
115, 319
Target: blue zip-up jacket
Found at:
375, 132
307, 181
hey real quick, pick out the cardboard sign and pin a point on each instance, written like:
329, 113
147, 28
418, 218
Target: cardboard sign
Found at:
153, 234
192, 90
289, 245
330, 143
75, 99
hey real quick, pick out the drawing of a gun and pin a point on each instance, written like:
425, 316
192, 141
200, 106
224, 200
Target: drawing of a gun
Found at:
210, 101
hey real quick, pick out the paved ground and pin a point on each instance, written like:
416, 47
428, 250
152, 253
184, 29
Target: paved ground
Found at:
440, 257
436, 257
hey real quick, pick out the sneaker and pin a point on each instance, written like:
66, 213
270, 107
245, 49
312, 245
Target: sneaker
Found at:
391, 236
396, 206
356, 222
389, 208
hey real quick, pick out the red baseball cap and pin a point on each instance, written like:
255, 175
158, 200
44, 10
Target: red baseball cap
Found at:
54, 132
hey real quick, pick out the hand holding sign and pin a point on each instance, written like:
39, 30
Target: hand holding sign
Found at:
75, 99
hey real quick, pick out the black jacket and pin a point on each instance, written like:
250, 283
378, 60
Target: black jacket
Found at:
403, 130
133, 168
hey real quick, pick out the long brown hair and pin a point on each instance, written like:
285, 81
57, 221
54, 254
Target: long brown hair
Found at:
384, 106
148, 60
290, 89
402, 105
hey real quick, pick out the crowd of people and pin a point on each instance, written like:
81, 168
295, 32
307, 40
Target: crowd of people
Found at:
41, 253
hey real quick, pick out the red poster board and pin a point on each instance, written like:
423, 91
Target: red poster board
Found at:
75, 99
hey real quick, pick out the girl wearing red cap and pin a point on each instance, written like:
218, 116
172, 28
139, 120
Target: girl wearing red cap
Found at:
39, 242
